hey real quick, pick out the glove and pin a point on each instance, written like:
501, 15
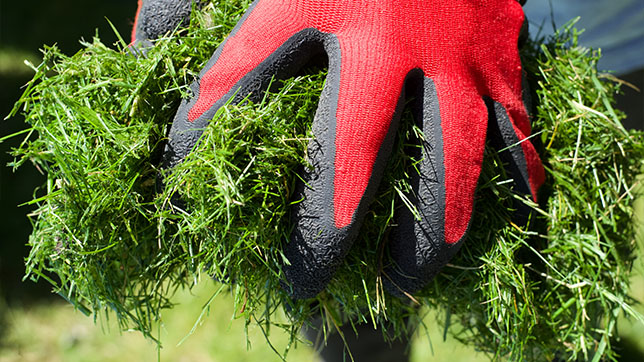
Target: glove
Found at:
155, 18
457, 60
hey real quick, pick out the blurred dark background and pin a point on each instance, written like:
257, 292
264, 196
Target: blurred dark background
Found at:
25, 26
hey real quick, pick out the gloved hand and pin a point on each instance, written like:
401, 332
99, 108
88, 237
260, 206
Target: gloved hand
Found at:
458, 60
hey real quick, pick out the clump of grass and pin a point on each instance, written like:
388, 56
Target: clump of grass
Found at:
109, 242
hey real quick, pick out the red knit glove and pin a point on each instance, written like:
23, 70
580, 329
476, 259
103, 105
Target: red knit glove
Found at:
457, 59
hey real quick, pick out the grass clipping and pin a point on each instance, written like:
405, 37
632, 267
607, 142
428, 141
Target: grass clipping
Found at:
109, 242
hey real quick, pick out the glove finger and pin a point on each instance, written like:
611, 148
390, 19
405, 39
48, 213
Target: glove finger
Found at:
256, 52
422, 243
520, 158
354, 126
154, 18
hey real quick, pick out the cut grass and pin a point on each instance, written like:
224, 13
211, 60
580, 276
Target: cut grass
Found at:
110, 243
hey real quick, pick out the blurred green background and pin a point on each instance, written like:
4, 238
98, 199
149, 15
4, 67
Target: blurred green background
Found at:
38, 326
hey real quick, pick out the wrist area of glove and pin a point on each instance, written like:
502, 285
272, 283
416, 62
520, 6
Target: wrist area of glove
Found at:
155, 18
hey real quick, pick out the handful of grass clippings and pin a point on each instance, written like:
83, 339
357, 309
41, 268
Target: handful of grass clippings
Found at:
109, 241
